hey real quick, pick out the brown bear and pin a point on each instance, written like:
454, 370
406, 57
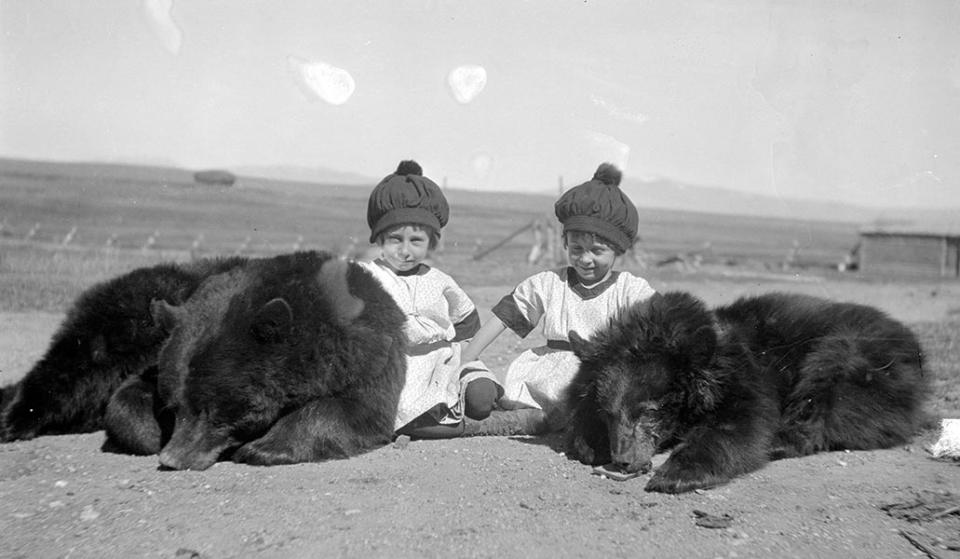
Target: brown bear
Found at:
771, 376
107, 336
289, 359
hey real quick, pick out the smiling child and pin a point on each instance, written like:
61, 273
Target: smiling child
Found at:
599, 224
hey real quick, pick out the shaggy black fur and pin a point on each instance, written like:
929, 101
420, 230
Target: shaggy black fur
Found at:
767, 377
290, 359
107, 336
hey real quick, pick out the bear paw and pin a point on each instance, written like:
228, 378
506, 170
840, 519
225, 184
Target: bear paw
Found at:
582, 450
258, 454
678, 480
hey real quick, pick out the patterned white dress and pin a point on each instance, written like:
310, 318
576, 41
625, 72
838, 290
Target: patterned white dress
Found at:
538, 377
439, 315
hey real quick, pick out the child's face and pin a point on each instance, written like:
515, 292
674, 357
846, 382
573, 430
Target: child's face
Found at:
591, 259
405, 247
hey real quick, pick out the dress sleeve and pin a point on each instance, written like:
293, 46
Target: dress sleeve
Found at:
463, 313
522, 309
637, 289
468, 327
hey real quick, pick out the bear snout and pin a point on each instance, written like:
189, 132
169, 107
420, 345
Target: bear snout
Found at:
192, 447
631, 449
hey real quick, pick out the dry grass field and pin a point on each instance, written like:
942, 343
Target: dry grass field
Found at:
64, 228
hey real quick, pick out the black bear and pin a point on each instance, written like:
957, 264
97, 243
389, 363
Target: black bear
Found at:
767, 377
107, 336
290, 359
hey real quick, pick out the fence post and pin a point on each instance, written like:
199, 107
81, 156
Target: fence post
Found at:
243, 246
151, 240
69, 236
556, 251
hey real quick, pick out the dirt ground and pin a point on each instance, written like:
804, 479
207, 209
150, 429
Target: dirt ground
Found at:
475, 497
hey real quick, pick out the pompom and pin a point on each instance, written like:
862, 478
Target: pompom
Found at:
409, 167
608, 174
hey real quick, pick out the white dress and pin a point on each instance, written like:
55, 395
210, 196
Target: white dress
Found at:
439, 314
539, 376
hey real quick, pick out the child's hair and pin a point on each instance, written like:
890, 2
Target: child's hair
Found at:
594, 238
432, 233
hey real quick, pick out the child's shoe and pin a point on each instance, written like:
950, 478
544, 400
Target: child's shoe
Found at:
504, 423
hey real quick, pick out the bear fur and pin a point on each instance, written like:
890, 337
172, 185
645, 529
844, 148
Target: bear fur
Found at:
295, 358
107, 336
767, 377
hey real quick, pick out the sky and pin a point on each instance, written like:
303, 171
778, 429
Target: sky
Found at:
851, 101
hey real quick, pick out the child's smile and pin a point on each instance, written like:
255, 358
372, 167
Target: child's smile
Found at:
591, 260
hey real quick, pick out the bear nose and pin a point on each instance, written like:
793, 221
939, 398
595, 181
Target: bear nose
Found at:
631, 467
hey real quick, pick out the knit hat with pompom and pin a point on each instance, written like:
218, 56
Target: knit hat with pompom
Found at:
598, 206
406, 197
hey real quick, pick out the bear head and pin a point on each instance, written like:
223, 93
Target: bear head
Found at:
642, 377
257, 342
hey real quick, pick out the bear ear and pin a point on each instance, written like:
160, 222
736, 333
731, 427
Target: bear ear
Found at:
702, 346
580, 346
164, 314
333, 280
686, 327
273, 321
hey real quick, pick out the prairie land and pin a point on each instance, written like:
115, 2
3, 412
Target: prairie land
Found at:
64, 228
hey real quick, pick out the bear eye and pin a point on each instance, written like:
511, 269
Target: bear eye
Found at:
645, 409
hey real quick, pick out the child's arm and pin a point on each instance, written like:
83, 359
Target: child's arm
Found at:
484, 337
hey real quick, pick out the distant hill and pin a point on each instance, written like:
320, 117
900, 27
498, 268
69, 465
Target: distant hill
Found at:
672, 195
654, 194
108, 171
321, 175
667, 194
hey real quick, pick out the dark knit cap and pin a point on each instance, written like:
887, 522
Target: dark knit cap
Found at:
404, 197
598, 206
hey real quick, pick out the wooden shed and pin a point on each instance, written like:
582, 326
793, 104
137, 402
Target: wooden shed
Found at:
912, 249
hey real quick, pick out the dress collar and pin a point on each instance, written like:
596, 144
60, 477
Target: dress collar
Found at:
419, 270
596, 290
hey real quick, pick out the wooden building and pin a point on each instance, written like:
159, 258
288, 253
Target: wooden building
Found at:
914, 250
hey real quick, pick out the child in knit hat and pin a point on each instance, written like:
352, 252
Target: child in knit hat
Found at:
406, 212
599, 224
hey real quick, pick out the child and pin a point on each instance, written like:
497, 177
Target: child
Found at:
599, 224
406, 212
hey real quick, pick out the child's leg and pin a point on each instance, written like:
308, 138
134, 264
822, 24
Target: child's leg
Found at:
426, 427
479, 398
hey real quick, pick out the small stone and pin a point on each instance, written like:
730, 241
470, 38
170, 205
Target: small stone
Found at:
60, 483
89, 514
